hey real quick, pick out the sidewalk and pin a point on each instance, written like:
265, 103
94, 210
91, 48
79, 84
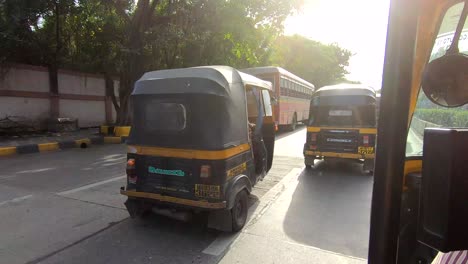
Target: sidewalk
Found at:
280, 232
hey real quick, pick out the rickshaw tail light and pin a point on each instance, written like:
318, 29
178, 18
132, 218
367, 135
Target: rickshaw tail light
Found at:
205, 171
131, 172
132, 179
313, 137
365, 139
130, 163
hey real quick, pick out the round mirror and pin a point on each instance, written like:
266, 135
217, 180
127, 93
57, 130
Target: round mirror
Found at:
445, 80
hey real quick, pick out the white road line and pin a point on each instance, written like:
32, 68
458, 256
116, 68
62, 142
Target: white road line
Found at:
222, 242
90, 185
15, 200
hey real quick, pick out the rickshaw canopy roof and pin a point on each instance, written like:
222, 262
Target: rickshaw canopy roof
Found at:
345, 89
209, 103
226, 78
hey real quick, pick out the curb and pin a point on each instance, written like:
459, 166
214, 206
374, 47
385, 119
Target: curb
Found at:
117, 131
60, 145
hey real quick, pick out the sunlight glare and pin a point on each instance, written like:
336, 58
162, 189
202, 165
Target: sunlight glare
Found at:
359, 26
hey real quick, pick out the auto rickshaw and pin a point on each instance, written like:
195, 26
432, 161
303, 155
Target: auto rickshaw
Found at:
420, 195
201, 139
342, 124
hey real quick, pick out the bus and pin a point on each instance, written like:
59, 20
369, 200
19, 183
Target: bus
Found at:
292, 94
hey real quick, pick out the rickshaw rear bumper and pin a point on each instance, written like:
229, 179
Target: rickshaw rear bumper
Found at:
173, 200
338, 155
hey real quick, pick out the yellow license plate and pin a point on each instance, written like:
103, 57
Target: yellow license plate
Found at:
207, 191
366, 150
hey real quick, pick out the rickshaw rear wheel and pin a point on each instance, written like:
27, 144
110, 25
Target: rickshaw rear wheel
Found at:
239, 211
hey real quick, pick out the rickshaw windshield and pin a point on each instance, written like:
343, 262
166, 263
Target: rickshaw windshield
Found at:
427, 114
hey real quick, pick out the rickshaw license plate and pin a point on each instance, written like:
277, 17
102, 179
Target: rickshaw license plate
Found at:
207, 191
365, 150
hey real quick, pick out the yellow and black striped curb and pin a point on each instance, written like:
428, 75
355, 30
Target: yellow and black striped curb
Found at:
64, 144
117, 131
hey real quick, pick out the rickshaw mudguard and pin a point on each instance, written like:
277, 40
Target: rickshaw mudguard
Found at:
234, 186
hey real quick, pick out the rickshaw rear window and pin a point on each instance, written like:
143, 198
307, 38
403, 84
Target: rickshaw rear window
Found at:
164, 116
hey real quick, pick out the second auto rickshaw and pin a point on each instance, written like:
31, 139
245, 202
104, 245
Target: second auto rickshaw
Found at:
342, 124
190, 148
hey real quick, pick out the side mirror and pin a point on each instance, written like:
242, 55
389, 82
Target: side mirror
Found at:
445, 80
443, 208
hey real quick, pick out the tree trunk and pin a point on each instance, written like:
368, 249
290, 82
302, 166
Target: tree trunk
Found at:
54, 91
134, 60
109, 84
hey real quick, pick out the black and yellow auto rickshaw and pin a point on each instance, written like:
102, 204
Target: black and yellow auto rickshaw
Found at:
201, 138
342, 124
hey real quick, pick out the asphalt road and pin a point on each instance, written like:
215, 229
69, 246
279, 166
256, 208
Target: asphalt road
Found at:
64, 207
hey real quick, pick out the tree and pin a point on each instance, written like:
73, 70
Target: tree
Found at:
126, 38
313, 61
168, 34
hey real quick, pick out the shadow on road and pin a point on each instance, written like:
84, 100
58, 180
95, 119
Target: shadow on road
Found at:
330, 209
155, 239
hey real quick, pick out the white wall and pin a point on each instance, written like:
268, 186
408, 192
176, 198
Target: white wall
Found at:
89, 113
25, 80
31, 108
36, 79
76, 84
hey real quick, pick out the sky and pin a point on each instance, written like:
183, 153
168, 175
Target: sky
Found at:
357, 25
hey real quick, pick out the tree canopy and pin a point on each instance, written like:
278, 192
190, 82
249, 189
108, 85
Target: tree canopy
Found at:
126, 38
313, 61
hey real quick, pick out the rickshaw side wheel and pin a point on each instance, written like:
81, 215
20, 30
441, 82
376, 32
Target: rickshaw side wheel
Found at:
239, 211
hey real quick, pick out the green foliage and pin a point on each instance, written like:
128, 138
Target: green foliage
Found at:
313, 61
126, 38
444, 117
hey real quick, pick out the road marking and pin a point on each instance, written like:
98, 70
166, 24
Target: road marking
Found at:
15, 200
222, 242
91, 185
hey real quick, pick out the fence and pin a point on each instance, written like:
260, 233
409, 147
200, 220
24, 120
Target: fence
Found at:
25, 92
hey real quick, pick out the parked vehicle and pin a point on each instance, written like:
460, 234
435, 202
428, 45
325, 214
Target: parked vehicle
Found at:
292, 94
201, 139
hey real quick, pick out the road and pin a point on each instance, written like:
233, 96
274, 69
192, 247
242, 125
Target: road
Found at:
64, 207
